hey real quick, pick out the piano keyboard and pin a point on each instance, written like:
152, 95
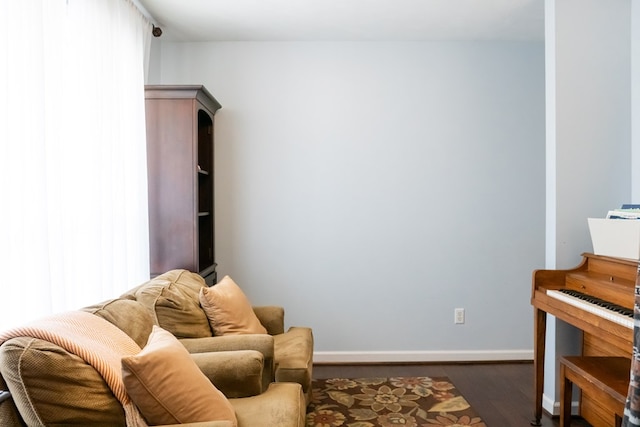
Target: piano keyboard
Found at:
615, 313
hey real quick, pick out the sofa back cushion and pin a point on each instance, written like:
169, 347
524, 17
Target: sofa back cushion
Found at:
128, 315
173, 299
51, 386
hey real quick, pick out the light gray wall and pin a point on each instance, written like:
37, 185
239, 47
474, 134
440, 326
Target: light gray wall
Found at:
371, 188
593, 103
588, 57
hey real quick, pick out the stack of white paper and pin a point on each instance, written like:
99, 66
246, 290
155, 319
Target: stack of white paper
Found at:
618, 238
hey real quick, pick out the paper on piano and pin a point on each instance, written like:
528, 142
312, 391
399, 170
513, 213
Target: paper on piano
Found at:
618, 238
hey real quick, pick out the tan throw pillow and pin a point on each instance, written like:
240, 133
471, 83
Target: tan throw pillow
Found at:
228, 309
168, 387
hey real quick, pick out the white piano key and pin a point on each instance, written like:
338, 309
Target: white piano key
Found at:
599, 311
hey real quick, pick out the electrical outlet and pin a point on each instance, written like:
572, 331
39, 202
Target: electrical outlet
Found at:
458, 316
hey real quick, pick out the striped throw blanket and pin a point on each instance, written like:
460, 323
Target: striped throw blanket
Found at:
100, 343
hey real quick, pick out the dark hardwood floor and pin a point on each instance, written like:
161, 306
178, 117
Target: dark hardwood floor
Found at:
501, 393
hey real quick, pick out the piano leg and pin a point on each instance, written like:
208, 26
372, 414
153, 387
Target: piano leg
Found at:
539, 334
565, 395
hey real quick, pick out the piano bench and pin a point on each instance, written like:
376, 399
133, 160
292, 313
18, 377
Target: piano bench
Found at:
604, 378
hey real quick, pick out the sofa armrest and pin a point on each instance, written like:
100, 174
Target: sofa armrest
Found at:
9, 415
202, 424
271, 317
263, 343
259, 342
234, 373
283, 405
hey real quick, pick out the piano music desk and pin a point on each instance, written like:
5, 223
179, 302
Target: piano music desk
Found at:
605, 378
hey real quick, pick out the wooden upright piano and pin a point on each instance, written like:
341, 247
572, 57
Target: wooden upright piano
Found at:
597, 297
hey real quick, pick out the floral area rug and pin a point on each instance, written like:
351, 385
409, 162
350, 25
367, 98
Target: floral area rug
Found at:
386, 402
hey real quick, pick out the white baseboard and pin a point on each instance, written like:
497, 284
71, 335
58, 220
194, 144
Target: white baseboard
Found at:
550, 405
553, 407
421, 356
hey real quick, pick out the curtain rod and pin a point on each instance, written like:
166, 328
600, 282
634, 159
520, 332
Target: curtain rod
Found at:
156, 30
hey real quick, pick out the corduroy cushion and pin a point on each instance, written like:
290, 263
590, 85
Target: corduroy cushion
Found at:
128, 315
173, 300
168, 387
51, 386
229, 310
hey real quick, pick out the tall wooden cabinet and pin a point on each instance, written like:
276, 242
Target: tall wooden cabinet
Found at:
180, 172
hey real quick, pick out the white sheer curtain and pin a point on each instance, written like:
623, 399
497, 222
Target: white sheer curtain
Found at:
73, 183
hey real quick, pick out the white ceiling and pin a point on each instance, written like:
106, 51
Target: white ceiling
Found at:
338, 20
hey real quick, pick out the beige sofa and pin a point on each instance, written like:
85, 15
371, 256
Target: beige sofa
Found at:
173, 300
51, 386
